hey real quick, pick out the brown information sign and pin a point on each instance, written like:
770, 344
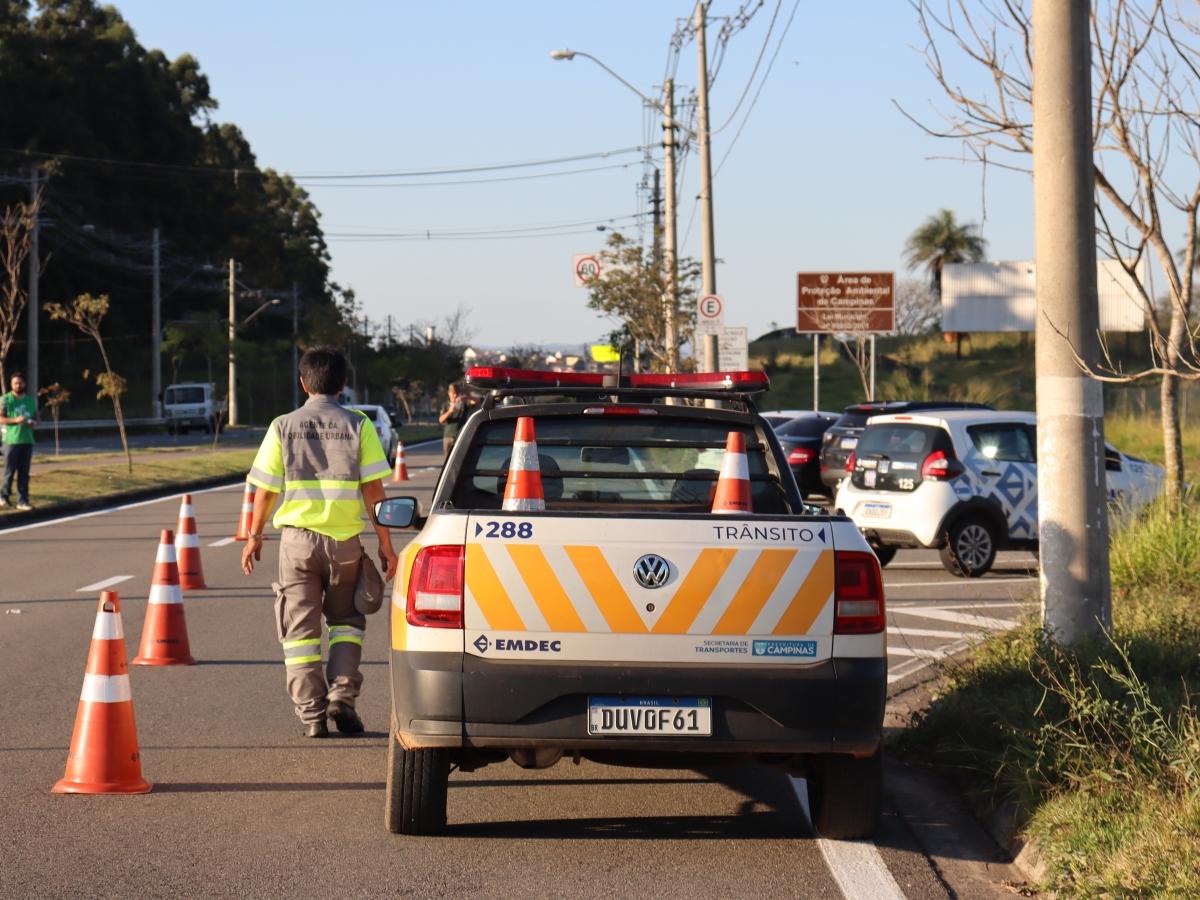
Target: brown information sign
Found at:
846, 302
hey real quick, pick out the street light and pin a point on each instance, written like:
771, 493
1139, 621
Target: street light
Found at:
274, 302
571, 54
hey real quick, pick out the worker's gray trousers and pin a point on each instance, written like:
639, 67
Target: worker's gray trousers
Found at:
317, 576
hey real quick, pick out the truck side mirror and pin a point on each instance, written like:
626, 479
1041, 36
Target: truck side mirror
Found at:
397, 512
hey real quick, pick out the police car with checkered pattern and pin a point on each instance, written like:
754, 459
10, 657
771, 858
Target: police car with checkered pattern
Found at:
625, 623
964, 482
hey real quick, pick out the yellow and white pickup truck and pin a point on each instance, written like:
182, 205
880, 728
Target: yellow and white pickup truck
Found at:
626, 623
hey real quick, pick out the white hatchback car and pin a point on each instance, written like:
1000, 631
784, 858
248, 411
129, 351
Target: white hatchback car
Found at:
964, 482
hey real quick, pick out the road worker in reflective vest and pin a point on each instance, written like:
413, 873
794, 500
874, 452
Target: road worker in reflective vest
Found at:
326, 461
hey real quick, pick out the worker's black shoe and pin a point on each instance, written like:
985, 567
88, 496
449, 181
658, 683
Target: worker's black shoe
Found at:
316, 730
344, 717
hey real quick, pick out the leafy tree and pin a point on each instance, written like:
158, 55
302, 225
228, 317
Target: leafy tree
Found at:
632, 293
942, 239
55, 395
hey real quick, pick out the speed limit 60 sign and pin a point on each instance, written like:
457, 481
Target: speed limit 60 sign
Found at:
586, 267
710, 314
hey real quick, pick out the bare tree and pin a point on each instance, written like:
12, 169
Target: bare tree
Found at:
86, 313
858, 349
16, 237
1146, 138
55, 395
918, 307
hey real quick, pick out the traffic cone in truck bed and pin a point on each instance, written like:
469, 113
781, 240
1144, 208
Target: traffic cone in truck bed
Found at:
401, 471
164, 634
523, 493
733, 485
187, 546
104, 757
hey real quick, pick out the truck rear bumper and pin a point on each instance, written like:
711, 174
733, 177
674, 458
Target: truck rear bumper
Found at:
459, 700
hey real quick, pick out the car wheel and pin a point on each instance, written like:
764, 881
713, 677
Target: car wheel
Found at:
845, 795
884, 554
970, 548
414, 797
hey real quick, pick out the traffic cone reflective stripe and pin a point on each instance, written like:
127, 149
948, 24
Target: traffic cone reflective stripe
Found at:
733, 485
187, 544
164, 634
246, 519
401, 471
104, 756
523, 492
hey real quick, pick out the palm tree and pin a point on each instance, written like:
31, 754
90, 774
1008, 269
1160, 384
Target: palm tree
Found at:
940, 240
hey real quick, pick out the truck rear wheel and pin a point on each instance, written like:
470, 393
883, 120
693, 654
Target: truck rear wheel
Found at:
845, 795
414, 798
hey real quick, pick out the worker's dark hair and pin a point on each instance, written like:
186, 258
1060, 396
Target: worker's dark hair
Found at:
324, 370
17, 374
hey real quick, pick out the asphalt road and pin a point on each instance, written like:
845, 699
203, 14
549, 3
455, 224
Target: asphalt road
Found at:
245, 806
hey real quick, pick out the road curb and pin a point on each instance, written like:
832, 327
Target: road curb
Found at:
74, 507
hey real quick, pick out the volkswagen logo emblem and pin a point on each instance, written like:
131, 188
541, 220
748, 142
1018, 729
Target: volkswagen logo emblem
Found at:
651, 571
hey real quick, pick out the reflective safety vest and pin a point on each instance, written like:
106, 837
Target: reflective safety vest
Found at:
317, 458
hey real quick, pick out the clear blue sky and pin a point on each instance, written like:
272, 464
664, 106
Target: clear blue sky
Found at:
827, 173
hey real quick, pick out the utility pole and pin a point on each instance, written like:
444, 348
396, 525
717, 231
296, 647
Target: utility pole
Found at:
656, 212
156, 326
670, 260
708, 259
872, 395
295, 347
31, 364
816, 372
1072, 504
233, 410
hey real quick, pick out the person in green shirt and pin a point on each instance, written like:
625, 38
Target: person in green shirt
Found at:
453, 414
18, 415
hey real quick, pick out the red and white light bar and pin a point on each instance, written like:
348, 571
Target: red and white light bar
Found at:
499, 377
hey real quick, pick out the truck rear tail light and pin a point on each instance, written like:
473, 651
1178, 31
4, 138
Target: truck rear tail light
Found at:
859, 594
851, 461
435, 588
942, 465
801, 455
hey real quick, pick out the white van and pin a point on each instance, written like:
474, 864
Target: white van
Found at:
192, 405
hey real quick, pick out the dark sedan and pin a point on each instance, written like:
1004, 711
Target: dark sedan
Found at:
800, 436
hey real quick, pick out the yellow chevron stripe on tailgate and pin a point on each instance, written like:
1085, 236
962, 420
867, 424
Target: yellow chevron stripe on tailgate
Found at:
545, 588
755, 591
489, 593
697, 587
606, 591
810, 599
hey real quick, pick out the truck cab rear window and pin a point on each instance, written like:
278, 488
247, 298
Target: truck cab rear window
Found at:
668, 465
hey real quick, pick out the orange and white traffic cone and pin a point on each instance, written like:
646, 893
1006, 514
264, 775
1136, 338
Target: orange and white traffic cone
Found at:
187, 545
246, 519
733, 484
164, 634
104, 757
401, 471
523, 492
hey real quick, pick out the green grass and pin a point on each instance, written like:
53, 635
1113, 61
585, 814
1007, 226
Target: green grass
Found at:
1100, 746
412, 434
84, 482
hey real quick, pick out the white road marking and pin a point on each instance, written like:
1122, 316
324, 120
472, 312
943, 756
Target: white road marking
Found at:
920, 653
924, 632
223, 542
101, 585
945, 615
856, 866
955, 583
978, 604
100, 512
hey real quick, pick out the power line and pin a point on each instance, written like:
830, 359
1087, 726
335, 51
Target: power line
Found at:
761, 84
481, 168
516, 229
413, 184
750, 81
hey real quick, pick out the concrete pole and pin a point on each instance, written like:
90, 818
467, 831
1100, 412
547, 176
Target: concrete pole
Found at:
34, 305
295, 347
708, 255
872, 396
156, 327
670, 257
1073, 518
233, 409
